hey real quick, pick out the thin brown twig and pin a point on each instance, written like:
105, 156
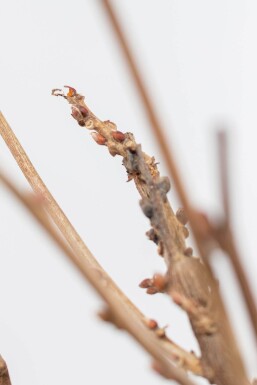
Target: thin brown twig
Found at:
148, 104
222, 140
120, 310
131, 318
158, 131
223, 233
202, 236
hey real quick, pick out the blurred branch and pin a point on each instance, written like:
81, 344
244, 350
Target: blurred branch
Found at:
124, 312
4, 374
222, 139
158, 130
223, 232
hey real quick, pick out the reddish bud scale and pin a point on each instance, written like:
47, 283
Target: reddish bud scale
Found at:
152, 324
152, 290
98, 138
145, 283
159, 282
118, 136
75, 113
84, 111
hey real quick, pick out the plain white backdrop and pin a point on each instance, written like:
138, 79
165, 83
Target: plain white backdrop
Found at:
199, 59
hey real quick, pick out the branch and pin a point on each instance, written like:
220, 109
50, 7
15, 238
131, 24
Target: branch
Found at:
158, 130
131, 319
187, 276
223, 231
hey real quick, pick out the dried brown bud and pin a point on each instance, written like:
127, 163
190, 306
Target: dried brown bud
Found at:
98, 138
147, 208
152, 324
151, 234
159, 282
81, 123
152, 290
84, 111
163, 184
181, 216
188, 252
118, 135
186, 232
146, 283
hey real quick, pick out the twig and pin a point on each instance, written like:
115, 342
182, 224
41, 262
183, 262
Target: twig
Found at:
222, 140
137, 329
161, 349
156, 126
4, 374
223, 231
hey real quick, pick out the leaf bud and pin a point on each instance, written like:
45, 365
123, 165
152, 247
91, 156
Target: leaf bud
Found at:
98, 138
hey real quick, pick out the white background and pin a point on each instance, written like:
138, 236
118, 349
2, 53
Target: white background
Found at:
199, 59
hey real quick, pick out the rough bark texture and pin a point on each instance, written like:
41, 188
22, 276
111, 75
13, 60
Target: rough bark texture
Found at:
189, 281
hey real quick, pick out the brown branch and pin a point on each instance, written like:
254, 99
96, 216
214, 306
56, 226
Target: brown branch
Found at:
187, 276
4, 374
223, 232
162, 350
222, 140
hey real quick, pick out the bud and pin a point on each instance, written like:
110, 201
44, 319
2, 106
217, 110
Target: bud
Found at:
147, 208
118, 136
151, 234
81, 123
188, 252
84, 111
152, 324
163, 184
181, 216
152, 290
75, 113
98, 138
146, 283
159, 282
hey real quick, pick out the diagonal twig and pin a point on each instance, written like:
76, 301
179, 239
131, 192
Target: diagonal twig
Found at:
131, 319
223, 232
